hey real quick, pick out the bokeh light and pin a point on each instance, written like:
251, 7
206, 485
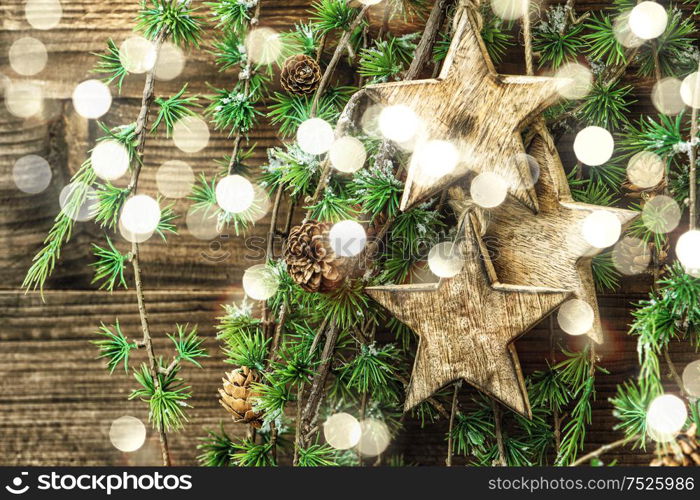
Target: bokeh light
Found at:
508, 9
666, 96
446, 259
648, 20
43, 14
623, 33
171, 62
689, 90
575, 81
347, 238
92, 99
127, 433
24, 99
137, 54
691, 378
263, 45
140, 214
315, 136
688, 250
370, 120
435, 159
109, 159
374, 438
645, 169
488, 189
601, 229
593, 146
661, 214
234, 194
31, 174
202, 224
69, 193
28, 56
347, 154
398, 123
174, 179
575, 317
631, 256
342, 431
260, 282
665, 417
191, 134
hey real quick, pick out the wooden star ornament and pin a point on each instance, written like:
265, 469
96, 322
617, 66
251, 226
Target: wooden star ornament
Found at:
548, 248
479, 112
467, 325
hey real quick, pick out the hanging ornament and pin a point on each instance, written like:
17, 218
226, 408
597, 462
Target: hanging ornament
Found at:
475, 319
470, 106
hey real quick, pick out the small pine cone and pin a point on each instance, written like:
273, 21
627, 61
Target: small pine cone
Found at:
237, 396
310, 260
683, 452
300, 75
631, 255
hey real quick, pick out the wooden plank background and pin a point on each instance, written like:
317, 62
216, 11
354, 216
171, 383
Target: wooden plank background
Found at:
56, 400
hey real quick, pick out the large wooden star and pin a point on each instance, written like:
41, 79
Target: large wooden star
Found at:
467, 325
548, 249
477, 110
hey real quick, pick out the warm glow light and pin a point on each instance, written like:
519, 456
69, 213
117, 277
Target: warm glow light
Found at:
398, 123
347, 238
689, 90
127, 433
623, 33
661, 214
342, 431
260, 282
666, 416
648, 20
137, 54
24, 99
110, 160
508, 9
66, 199
174, 179
43, 14
315, 136
191, 134
370, 120
374, 438
92, 99
261, 204
688, 250
488, 189
263, 45
575, 81
575, 317
593, 146
370, 2
171, 62
347, 154
28, 56
202, 224
645, 169
140, 214
631, 256
436, 159
691, 378
601, 229
234, 194
32, 174
666, 96
446, 259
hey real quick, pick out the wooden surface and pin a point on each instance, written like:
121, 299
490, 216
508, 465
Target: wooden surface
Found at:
56, 399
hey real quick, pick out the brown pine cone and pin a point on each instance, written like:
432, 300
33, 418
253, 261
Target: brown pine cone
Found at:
310, 260
300, 75
237, 396
683, 452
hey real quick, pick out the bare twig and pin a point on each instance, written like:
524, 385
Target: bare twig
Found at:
692, 155
453, 412
600, 451
498, 421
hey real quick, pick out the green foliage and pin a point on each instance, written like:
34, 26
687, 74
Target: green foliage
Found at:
496, 38
631, 404
45, 260
110, 200
388, 58
204, 197
675, 48
216, 449
472, 430
272, 398
303, 39
231, 15
109, 267
658, 137
347, 305
114, 346
295, 367
377, 191
110, 65
605, 274
548, 389
602, 41
188, 345
554, 45
251, 454
234, 110
607, 105
174, 18
167, 397
167, 216
333, 208
292, 168
289, 111
650, 226
591, 192
328, 15
172, 109
229, 51
248, 349
373, 371
317, 455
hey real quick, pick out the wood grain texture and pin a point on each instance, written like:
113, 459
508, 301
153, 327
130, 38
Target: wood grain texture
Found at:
480, 112
548, 248
466, 326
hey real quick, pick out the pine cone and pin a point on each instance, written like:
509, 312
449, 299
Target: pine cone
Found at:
683, 452
237, 396
310, 260
300, 75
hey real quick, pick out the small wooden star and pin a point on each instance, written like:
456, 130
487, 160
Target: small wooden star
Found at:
548, 249
476, 110
467, 325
